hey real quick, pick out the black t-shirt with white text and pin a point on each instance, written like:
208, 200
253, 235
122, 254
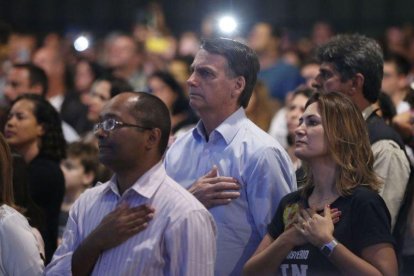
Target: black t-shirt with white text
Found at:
364, 221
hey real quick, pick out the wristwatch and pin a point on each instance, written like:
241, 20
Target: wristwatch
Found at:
328, 248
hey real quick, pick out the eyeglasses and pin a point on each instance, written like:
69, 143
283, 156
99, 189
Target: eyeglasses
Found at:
111, 124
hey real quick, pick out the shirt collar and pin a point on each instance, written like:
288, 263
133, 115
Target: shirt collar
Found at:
145, 186
227, 129
367, 111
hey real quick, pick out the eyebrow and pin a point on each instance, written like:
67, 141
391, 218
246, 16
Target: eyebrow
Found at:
321, 69
310, 116
201, 66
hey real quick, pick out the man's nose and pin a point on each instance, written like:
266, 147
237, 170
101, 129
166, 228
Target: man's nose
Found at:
191, 80
316, 82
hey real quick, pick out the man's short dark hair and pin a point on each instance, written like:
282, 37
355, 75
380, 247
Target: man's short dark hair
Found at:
352, 54
149, 111
37, 75
242, 61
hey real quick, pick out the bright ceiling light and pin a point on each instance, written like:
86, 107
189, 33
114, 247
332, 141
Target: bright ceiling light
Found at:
81, 43
227, 24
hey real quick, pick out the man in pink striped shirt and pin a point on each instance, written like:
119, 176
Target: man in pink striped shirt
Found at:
140, 222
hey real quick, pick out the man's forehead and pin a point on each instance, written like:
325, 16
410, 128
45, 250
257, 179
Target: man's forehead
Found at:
120, 105
20, 72
205, 58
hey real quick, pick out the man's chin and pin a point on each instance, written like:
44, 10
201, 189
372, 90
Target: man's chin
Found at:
194, 104
105, 158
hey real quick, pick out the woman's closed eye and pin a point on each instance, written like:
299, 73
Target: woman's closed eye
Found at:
312, 122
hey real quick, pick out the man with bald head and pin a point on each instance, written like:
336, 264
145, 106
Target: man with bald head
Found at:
140, 222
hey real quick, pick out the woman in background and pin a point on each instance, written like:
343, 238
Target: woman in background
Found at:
164, 86
85, 73
34, 131
337, 223
295, 109
103, 89
19, 254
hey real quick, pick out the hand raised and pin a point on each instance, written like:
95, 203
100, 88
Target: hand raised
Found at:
121, 224
212, 190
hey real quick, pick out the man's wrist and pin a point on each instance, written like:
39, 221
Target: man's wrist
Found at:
94, 243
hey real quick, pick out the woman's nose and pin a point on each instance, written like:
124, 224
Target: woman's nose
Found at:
299, 130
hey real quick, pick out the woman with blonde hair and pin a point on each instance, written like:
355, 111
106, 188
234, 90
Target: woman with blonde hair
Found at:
19, 253
336, 223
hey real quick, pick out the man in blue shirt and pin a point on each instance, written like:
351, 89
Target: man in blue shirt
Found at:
233, 167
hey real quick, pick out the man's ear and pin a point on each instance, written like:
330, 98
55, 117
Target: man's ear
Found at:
357, 84
239, 85
153, 138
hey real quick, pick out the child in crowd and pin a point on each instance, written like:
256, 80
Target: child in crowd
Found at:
80, 169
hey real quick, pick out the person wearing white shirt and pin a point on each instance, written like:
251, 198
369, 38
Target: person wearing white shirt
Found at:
19, 249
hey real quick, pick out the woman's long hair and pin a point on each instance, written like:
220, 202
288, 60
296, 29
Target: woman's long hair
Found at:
348, 143
181, 104
53, 144
6, 170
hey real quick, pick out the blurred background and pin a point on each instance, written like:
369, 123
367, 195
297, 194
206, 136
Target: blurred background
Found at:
102, 16
133, 40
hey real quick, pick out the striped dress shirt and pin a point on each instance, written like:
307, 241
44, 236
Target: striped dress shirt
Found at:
179, 240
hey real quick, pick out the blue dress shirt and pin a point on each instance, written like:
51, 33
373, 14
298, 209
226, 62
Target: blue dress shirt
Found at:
241, 150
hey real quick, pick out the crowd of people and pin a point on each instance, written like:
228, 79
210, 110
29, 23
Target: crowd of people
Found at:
149, 154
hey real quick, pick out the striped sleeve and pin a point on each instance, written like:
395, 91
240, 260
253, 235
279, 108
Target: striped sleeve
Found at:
191, 244
61, 263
